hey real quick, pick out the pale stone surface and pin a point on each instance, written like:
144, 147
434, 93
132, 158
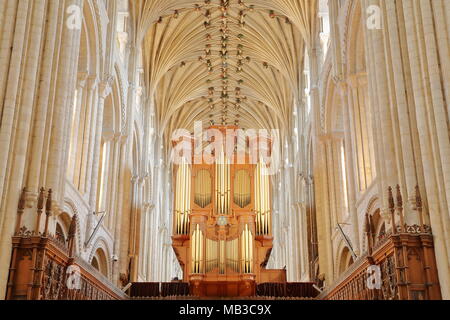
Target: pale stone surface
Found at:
89, 112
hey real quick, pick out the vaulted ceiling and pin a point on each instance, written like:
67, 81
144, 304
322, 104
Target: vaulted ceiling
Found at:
224, 61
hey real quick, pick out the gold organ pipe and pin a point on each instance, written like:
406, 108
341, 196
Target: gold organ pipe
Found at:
237, 255
263, 195
242, 246
262, 200
227, 188
257, 200
196, 250
207, 256
243, 251
217, 187
182, 198
193, 246
178, 201
242, 188
203, 188
222, 171
248, 251
200, 252
246, 248
251, 250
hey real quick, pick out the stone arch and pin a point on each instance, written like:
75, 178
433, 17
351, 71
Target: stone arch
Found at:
360, 110
345, 260
99, 262
356, 58
89, 60
71, 210
84, 96
378, 225
102, 255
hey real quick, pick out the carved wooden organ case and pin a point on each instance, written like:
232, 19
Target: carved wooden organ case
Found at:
222, 232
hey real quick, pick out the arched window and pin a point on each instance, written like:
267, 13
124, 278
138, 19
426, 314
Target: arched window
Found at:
59, 233
100, 262
95, 263
346, 260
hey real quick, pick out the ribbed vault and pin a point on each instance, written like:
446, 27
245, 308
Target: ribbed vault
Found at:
223, 62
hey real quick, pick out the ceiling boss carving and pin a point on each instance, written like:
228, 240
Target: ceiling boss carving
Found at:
226, 62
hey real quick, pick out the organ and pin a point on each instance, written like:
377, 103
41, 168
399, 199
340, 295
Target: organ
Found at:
222, 233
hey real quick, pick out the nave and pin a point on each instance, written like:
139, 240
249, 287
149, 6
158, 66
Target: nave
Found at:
219, 149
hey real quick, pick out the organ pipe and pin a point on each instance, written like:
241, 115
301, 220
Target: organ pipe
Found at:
246, 250
222, 257
183, 198
262, 200
222, 172
197, 250
202, 196
232, 255
212, 250
242, 187
227, 243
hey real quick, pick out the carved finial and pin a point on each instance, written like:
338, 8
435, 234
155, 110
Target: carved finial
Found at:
418, 198
40, 204
399, 197
48, 206
391, 199
21, 205
73, 227
367, 224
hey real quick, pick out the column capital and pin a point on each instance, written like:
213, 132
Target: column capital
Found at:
105, 86
357, 80
82, 78
341, 84
332, 136
109, 135
92, 82
131, 85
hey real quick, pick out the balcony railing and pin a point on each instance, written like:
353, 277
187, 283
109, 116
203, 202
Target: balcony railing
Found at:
408, 272
42, 269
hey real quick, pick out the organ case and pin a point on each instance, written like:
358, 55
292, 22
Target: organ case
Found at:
223, 224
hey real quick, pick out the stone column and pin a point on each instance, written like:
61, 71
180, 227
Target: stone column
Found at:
88, 140
75, 123
352, 186
20, 102
324, 209
104, 91
401, 112
381, 108
119, 205
35, 174
430, 149
69, 60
